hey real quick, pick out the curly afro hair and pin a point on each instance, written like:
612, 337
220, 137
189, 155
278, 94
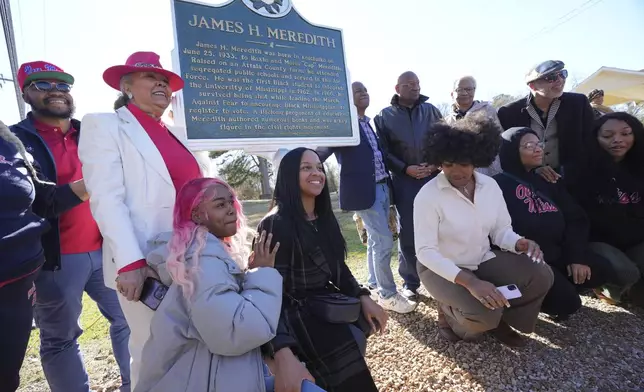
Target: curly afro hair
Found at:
473, 140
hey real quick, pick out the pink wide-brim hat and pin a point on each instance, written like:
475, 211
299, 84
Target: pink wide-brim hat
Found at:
141, 62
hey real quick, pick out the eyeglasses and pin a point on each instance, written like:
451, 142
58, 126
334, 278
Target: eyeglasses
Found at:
551, 78
42, 85
468, 90
531, 146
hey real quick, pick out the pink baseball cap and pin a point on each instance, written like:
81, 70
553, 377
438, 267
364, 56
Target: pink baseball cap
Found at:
141, 62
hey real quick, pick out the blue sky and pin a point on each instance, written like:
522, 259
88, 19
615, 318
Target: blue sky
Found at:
496, 41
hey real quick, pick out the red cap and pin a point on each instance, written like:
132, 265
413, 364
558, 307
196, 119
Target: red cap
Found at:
41, 70
141, 62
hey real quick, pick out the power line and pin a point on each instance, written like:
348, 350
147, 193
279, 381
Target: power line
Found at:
44, 27
563, 19
22, 33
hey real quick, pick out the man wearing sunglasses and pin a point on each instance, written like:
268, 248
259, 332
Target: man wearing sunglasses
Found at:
73, 244
562, 120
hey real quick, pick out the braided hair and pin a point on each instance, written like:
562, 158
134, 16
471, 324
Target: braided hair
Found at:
10, 137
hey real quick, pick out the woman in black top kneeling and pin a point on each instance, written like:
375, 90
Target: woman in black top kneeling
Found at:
610, 188
329, 338
545, 212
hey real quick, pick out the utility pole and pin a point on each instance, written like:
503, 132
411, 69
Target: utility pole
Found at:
7, 26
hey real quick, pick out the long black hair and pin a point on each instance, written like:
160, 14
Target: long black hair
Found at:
288, 199
634, 159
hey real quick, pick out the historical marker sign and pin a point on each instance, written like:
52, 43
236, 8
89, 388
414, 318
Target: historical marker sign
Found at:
258, 76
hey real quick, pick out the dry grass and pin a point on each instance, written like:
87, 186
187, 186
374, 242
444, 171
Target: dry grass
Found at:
599, 349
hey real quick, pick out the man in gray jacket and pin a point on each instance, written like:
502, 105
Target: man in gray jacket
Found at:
402, 127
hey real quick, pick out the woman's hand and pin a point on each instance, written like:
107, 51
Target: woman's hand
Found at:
549, 174
530, 248
262, 255
487, 294
580, 273
290, 372
78, 187
372, 311
130, 283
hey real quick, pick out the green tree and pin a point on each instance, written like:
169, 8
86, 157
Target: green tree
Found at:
504, 99
242, 172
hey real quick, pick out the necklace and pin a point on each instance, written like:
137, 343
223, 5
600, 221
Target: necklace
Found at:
466, 191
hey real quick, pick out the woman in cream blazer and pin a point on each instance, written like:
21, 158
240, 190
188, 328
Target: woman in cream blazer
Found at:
132, 167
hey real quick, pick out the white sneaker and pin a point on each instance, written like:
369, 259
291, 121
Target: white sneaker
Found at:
409, 294
398, 304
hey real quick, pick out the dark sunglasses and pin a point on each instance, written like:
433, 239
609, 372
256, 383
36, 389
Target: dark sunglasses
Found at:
48, 86
551, 78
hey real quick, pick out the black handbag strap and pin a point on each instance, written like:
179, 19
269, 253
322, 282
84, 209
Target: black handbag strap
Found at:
319, 260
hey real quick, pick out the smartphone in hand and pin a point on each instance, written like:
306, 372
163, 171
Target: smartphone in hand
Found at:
153, 293
510, 291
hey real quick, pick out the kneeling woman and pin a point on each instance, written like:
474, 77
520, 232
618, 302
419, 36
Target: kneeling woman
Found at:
610, 188
207, 333
455, 216
546, 212
326, 315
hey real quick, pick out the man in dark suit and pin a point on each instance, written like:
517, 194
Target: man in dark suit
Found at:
364, 188
563, 121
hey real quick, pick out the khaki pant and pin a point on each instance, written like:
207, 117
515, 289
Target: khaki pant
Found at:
468, 318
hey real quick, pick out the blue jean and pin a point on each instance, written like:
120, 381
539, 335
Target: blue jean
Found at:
405, 190
58, 309
379, 243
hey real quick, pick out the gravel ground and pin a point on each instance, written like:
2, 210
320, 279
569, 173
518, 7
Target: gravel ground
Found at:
598, 349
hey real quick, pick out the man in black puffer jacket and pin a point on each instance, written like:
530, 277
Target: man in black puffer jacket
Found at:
402, 128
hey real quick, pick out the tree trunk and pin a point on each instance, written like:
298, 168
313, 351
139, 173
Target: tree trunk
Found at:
266, 185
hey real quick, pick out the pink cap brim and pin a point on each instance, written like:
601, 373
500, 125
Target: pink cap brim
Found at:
112, 76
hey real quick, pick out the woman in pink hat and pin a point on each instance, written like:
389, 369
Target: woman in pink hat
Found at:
133, 167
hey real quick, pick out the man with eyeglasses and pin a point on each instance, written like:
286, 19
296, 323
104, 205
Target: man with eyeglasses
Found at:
464, 105
402, 128
73, 244
562, 120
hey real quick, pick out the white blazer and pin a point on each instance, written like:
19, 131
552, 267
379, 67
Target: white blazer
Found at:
131, 193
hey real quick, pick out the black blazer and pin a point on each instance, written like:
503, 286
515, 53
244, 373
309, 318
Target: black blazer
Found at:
357, 173
575, 120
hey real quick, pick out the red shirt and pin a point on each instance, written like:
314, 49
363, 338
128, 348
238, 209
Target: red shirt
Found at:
180, 162
79, 232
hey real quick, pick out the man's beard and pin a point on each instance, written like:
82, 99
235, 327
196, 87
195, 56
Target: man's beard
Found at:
44, 111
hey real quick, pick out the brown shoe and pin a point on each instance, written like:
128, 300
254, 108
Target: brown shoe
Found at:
508, 336
444, 329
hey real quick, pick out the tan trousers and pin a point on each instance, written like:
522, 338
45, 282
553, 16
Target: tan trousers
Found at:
469, 318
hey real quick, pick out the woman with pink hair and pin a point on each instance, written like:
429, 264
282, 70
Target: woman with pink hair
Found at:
218, 310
